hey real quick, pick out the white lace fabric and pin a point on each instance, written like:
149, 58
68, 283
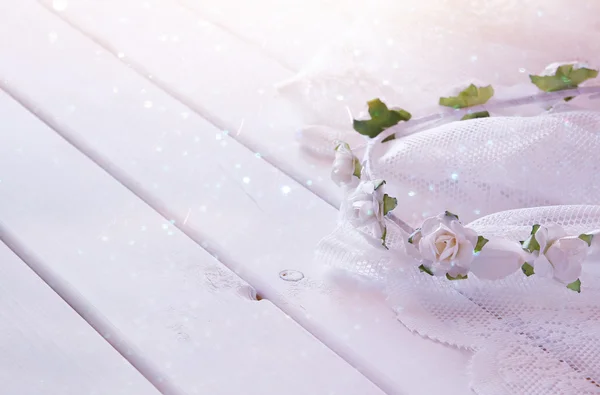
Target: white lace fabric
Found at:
529, 335
501, 175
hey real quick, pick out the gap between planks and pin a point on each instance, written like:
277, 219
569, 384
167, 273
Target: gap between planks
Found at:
91, 315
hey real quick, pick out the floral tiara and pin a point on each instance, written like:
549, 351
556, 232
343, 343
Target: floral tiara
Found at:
442, 245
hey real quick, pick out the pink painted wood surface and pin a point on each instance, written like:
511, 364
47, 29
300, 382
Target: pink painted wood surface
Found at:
255, 219
186, 322
46, 348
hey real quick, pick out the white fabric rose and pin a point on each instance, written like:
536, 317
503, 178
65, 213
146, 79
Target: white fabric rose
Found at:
560, 256
344, 166
498, 259
365, 207
448, 245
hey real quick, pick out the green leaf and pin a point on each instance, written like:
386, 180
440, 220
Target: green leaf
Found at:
378, 183
449, 214
469, 97
389, 138
458, 277
575, 286
474, 115
389, 203
531, 244
527, 269
481, 241
425, 270
587, 238
414, 234
383, 237
381, 118
565, 77
357, 168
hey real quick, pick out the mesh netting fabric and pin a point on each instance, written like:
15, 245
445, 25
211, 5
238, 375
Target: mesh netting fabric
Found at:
486, 165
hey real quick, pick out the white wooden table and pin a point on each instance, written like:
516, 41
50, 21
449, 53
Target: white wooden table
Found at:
151, 192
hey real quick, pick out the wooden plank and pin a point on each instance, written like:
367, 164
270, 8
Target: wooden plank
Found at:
298, 32
201, 66
186, 322
258, 221
46, 348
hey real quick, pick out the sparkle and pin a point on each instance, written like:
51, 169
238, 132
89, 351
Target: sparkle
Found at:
120, 55
411, 193
148, 104
522, 70
165, 226
285, 189
309, 182
454, 176
258, 155
104, 238
238, 166
473, 58
339, 97
246, 180
218, 136
477, 212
